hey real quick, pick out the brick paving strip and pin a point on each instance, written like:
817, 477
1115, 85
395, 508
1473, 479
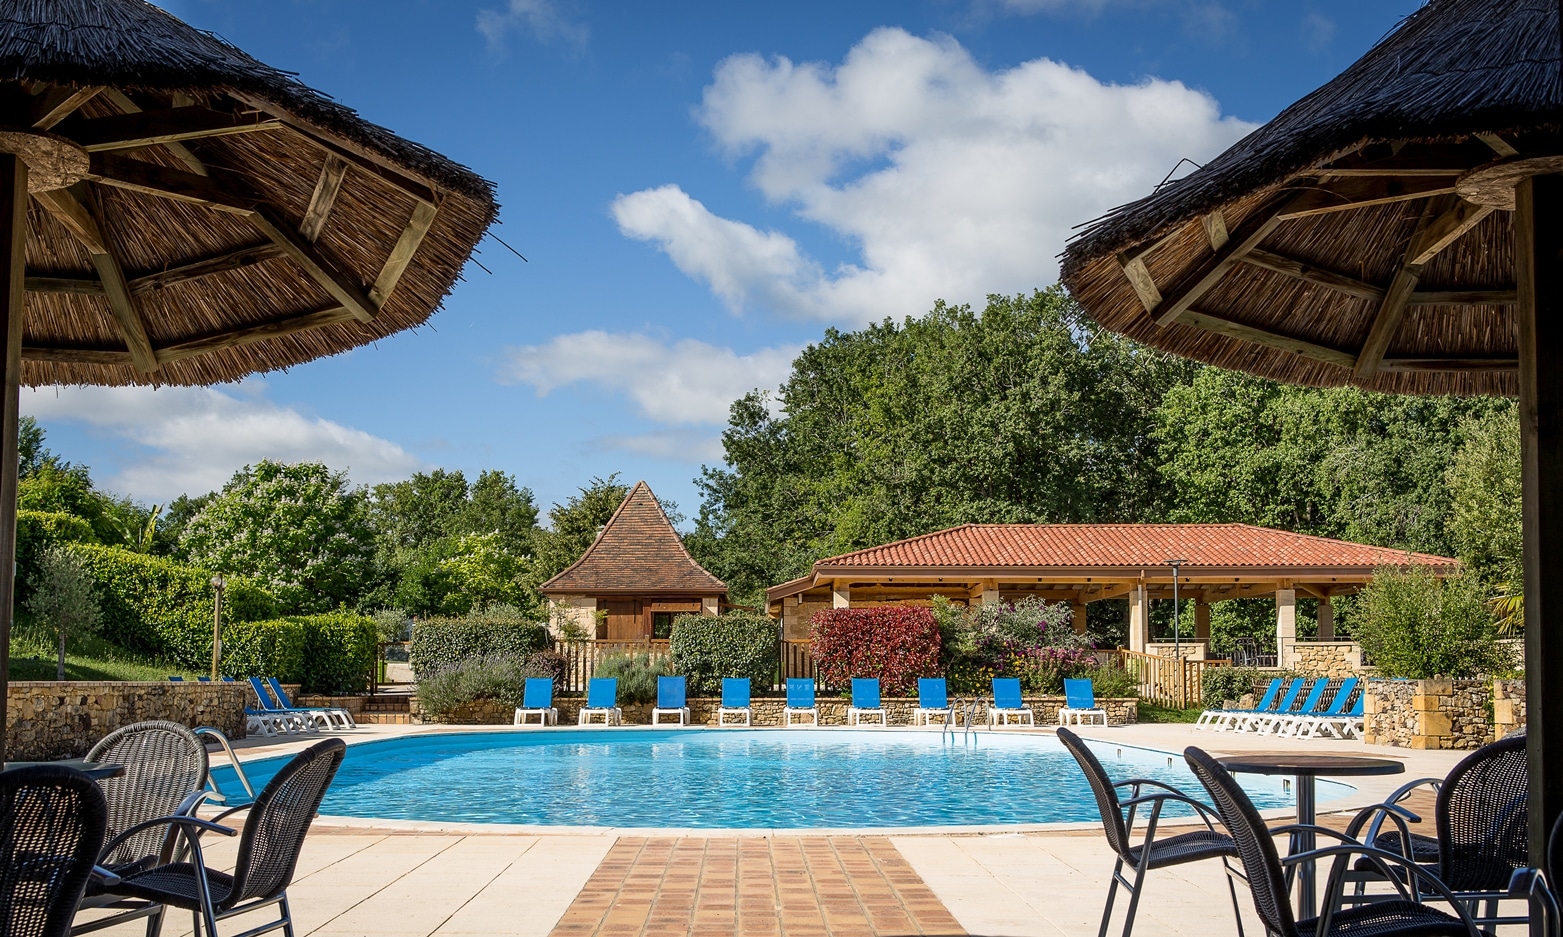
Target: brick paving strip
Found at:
817, 886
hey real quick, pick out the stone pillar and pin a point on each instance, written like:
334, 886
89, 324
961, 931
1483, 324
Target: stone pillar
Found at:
1201, 620
1285, 625
710, 604
1078, 608
1139, 619
1326, 620
840, 595
986, 593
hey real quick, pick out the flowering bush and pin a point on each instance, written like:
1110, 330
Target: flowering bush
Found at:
895, 643
1029, 639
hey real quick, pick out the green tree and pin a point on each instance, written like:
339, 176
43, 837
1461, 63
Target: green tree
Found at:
296, 529
1484, 485
63, 599
573, 526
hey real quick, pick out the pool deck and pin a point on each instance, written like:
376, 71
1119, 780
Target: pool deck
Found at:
406, 879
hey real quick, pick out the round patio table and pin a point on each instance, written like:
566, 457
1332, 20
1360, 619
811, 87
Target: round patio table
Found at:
92, 769
1305, 768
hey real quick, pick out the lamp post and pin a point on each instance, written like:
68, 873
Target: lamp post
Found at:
218, 583
1177, 631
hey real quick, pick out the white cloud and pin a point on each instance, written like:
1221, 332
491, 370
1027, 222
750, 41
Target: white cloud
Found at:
201, 435
676, 445
686, 382
950, 180
543, 19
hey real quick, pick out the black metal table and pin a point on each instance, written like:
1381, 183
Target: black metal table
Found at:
92, 769
1305, 768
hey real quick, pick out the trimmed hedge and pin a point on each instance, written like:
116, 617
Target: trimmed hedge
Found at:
37, 530
706, 648
329, 653
445, 642
157, 606
895, 643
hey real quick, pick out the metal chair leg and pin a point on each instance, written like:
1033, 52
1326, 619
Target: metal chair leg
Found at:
1237, 911
1134, 899
1112, 891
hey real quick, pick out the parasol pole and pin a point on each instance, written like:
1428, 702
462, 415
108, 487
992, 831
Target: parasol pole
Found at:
13, 248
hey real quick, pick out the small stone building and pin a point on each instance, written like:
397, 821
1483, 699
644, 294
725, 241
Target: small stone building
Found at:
637, 574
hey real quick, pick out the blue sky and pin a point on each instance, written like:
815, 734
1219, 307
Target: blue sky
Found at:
700, 189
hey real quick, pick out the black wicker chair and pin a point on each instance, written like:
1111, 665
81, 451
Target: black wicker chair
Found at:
1267, 874
1480, 817
1152, 853
165, 775
52, 821
268, 850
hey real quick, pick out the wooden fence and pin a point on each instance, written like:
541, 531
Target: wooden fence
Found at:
1167, 681
582, 657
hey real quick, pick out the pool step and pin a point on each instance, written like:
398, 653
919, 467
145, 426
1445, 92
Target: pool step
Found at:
384, 719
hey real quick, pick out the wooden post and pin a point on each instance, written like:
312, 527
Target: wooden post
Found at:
1139, 619
13, 248
1077, 608
1538, 250
1285, 624
1326, 619
1202, 620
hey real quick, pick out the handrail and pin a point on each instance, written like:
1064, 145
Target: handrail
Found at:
233, 759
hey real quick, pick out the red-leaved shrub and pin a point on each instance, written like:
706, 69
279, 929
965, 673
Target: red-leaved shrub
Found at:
895, 643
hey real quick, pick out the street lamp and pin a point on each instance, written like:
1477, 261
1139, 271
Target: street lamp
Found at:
218, 584
1177, 631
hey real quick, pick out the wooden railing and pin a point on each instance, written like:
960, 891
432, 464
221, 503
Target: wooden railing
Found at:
797, 660
582, 657
1167, 681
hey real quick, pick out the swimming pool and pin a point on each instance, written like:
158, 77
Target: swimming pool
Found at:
735, 779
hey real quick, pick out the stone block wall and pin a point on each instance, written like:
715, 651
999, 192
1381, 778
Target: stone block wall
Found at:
1508, 707
1324, 658
1188, 649
46, 719
1428, 714
768, 711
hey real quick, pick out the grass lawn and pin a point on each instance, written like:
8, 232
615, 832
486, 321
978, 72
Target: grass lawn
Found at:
1150, 712
89, 658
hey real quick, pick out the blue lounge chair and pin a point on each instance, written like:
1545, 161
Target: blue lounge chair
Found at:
537, 699
602, 699
1344, 726
176, 679
672, 700
800, 701
1211, 717
735, 700
291, 721
1267, 723
1080, 703
1308, 726
1238, 719
339, 717
865, 701
1008, 705
933, 699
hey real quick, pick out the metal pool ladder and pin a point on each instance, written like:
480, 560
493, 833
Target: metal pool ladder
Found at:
233, 759
969, 709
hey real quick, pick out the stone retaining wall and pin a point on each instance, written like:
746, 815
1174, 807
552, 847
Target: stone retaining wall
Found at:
1432, 714
46, 719
768, 711
1508, 707
1324, 658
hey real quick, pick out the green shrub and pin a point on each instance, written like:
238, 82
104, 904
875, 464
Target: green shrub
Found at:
442, 642
706, 648
36, 531
1219, 684
272, 648
156, 606
1109, 682
637, 675
498, 676
329, 653
1412, 625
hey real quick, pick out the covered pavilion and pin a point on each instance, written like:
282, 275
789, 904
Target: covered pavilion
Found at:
1083, 563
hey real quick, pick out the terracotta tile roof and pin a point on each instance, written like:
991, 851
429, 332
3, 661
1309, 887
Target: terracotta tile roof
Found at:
1227, 546
639, 552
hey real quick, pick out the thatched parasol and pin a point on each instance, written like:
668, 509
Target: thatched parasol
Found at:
1398, 229
175, 212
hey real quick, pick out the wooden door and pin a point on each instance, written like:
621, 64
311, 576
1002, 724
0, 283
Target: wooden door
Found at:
624, 622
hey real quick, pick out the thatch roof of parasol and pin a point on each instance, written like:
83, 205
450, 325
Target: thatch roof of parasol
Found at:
197, 215
1362, 236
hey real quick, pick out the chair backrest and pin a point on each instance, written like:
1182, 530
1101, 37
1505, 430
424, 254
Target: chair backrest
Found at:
281, 815
279, 692
602, 693
538, 694
735, 692
1482, 814
203, 679
1338, 704
1255, 847
1079, 693
1289, 697
1106, 795
800, 693
264, 695
176, 679
1310, 704
1006, 693
932, 693
1268, 700
670, 693
164, 763
865, 693
52, 824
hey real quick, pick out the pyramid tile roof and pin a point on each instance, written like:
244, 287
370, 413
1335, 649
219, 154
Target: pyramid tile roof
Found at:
638, 552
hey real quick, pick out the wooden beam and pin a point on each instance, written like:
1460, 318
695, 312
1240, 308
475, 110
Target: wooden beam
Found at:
320, 268
181, 152
194, 270
1498, 144
1139, 278
1215, 225
1351, 286
131, 327
326, 189
1433, 234
58, 102
79, 286
1255, 228
151, 128
1420, 160
1352, 194
1449, 364
75, 355
255, 333
401, 255
1464, 297
70, 213
138, 175
1248, 333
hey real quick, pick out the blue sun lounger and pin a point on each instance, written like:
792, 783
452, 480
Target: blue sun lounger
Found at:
800, 701
1243, 721
1080, 703
1211, 717
1008, 705
735, 700
1270, 722
933, 699
602, 699
537, 699
865, 702
672, 699
1307, 726
337, 716
295, 720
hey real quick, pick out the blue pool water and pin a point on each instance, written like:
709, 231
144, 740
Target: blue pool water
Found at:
730, 778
